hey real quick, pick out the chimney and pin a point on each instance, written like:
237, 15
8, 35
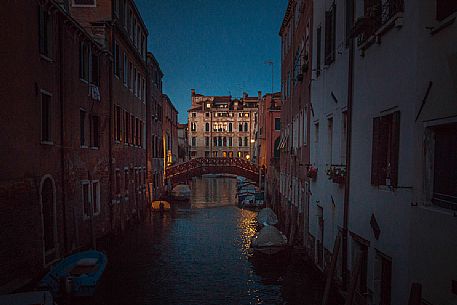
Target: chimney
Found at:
245, 95
259, 94
193, 92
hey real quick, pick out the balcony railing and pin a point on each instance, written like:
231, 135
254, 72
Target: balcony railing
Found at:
375, 18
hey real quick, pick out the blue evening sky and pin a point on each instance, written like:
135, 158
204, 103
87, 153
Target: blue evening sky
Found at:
215, 47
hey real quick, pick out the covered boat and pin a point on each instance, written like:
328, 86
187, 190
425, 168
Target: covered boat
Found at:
269, 240
27, 298
181, 192
77, 274
160, 205
266, 216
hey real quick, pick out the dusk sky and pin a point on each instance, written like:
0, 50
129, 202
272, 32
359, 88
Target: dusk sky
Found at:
215, 47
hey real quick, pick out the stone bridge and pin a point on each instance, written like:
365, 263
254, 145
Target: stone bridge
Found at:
183, 172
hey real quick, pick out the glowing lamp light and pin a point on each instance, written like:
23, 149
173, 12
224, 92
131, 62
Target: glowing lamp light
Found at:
248, 157
252, 140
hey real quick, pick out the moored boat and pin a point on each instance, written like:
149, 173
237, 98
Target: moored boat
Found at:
27, 298
269, 240
181, 192
266, 216
77, 274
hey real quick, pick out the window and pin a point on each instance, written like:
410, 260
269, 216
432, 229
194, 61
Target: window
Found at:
86, 198
141, 133
246, 127
194, 141
83, 2
215, 141
207, 141
230, 127
118, 118
94, 70
117, 60
207, 127
219, 141
45, 32
344, 131
245, 141
46, 117
382, 279
127, 128
445, 166
193, 126
207, 114
82, 127
386, 140
95, 197
84, 55
95, 132
224, 141
48, 211
240, 142
230, 141
330, 35
445, 8
194, 114
329, 141
130, 73
206, 153
126, 72
126, 180
240, 127
278, 124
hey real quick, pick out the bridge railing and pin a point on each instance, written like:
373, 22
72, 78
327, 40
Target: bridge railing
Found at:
204, 162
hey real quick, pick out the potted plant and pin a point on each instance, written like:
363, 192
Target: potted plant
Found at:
311, 172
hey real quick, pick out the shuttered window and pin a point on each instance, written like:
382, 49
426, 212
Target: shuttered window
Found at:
330, 35
445, 166
386, 136
445, 8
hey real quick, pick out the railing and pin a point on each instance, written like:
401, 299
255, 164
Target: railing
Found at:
207, 163
376, 17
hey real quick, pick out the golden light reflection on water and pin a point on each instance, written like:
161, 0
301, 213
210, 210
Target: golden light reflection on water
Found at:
247, 226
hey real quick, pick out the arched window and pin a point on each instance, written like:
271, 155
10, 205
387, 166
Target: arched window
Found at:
48, 212
246, 127
207, 127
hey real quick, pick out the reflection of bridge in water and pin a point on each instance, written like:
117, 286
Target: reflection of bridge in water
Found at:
183, 172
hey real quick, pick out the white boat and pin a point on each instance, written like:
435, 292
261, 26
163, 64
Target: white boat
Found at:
269, 240
266, 217
181, 192
28, 298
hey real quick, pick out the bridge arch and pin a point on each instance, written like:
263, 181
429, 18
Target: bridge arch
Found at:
196, 167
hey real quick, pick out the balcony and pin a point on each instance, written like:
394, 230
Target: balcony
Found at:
378, 19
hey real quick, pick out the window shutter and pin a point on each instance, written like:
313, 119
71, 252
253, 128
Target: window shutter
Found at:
394, 150
375, 152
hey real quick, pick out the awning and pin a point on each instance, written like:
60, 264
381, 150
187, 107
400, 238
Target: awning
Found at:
283, 142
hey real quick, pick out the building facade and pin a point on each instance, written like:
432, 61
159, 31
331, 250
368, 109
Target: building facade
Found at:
220, 126
381, 147
118, 24
296, 112
154, 131
170, 131
55, 195
267, 144
183, 143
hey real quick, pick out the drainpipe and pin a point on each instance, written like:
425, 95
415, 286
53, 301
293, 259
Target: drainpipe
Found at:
110, 139
62, 136
348, 156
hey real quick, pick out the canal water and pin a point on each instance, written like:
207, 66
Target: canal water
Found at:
199, 254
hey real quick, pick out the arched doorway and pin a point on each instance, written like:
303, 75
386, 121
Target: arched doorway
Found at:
48, 214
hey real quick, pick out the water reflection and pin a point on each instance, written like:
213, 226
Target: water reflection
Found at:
200, 255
